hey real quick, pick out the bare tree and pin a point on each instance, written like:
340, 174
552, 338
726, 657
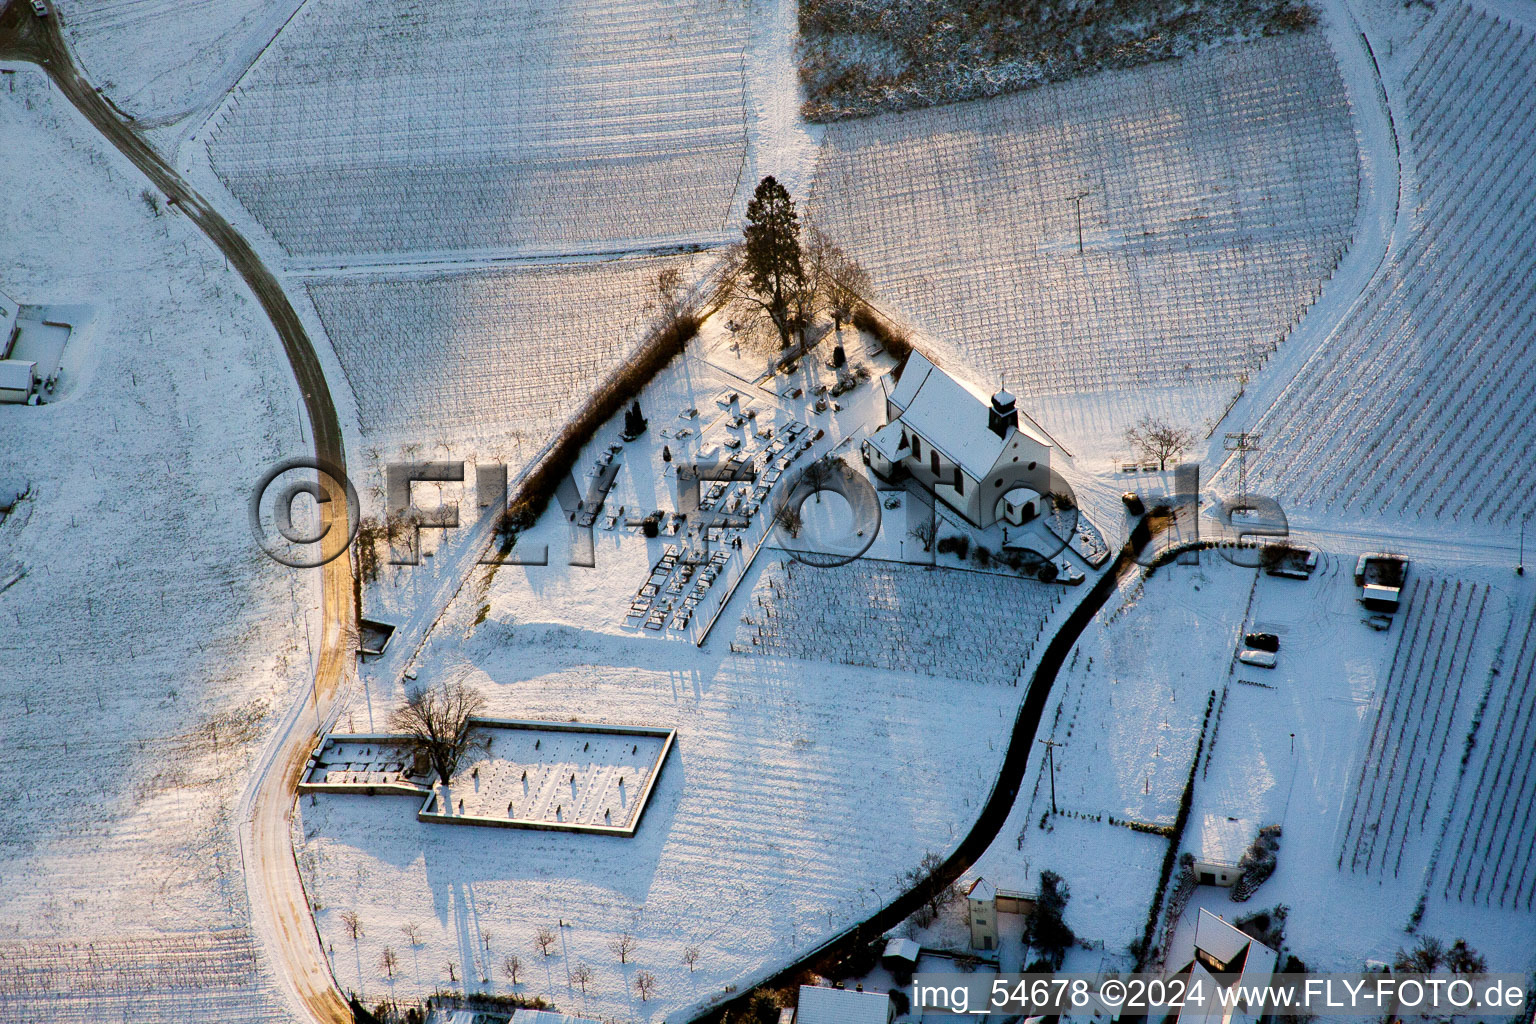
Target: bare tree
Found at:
581, 974
1159, 440
645, 984
453, 971
389, 962
436, 720
1425, 958
790, 519
839, 280
622, 945
412, 932
510, 967
925, 532
485, 937
543, 939
353, 922
671, 296
691, 957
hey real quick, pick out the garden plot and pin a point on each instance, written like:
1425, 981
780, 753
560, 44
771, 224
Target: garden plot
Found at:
496, 358
1426, 691
437, 126
1418, 405
1488, 854
975, 626
148, 638
1220, 194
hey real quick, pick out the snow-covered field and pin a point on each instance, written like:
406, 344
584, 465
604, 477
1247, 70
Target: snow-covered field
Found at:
1220, 193
1419, 406
442, 125
149, 639
158, 59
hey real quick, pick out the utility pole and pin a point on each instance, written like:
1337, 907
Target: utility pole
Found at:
1520, 566
1077, 201
1242, 442
1050, 752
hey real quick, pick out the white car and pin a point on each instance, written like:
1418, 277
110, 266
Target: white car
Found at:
1258, 659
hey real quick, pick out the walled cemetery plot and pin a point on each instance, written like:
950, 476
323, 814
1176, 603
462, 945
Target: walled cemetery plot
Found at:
371, 128
1419, 404
944, 622
495, 358
1220, 192
516, 774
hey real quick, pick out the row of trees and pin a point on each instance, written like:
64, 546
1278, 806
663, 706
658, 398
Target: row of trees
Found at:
788, 274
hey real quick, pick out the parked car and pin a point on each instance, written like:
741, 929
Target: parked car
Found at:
1258, 659
40, 8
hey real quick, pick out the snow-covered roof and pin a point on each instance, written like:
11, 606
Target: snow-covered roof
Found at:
842, 1006
902, 949
1218, 939
1224, 840
14, 373
951, 416
983, 890
548, 1017
887, 441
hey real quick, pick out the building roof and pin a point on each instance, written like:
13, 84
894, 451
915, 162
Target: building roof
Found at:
841, 1006
983, 890
1218, 939
887, 441
548, 1017
951, 416
14, 373
1223, 841
902, 949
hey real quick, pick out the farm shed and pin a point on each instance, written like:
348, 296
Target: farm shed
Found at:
18, 379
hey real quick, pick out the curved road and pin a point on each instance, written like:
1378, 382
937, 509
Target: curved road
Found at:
279, 911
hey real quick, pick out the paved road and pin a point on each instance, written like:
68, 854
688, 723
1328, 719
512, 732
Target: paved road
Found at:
279, 912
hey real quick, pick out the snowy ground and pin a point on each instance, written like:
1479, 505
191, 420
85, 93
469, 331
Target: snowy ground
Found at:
1220, 193
149, 639
1378, 805
799, 790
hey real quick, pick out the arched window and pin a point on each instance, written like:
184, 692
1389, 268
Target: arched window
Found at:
933, 460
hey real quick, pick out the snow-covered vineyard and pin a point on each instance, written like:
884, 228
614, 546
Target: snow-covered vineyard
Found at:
493, 357
186, 978
968, 625
371, 128
1232, 173
1419, 405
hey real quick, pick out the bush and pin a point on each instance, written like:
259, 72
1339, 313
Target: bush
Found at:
1048, 572
957, 546
982, 555
891, 338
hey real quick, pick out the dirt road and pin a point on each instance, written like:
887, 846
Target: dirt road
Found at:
279, 911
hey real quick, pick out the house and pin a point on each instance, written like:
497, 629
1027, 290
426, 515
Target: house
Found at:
901, 952
1223, 841
18, 379
1226, 958
820, 1005
548, 1017
976, 454
981, 907
9, 307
